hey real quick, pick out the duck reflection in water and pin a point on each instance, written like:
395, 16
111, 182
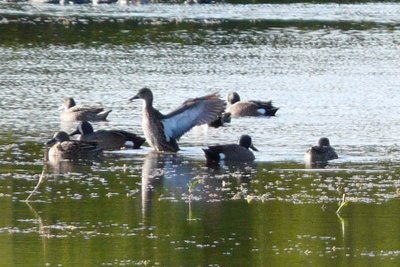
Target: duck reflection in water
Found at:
61, 166
168, 175
163, 170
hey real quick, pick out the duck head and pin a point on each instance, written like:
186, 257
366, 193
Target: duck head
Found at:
69, 102
83, 128
323, 141
245, 141
58, 138
145, 93
233, 97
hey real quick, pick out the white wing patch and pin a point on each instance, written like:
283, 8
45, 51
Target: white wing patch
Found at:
261, 111
129, 143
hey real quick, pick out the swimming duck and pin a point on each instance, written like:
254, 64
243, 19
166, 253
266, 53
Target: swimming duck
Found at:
231, 152
318, 156
239, 108
72, 112
108, 139
63, 147
163, 131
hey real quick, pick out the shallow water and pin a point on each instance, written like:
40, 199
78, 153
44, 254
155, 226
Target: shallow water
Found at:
331, 68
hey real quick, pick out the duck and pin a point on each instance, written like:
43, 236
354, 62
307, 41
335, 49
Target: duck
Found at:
224, 118
319, 155
72, 112
163, 131
63, 147
108, 139
232, 152
240, 108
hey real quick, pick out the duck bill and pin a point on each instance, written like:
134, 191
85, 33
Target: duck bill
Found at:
133, 98
75, 132
51, 142
253, 148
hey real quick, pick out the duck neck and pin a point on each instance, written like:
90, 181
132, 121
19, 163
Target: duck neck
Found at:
148, 104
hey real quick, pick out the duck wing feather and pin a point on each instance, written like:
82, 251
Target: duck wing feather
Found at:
86, 109
192, 112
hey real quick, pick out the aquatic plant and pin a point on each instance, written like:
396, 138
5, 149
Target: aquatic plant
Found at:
342, 204
42, 175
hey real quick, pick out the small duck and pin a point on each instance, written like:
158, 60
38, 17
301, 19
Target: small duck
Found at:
231, 152
108, 139
63, 147
238, 108
72, 112
163, 131
318, 156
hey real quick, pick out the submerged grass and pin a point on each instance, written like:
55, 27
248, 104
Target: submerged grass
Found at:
42, 175
343, 203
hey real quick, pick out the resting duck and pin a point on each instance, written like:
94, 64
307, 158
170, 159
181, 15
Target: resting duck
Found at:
231, 152
163, 131
63, 147
238, 108
72, 112
318, 156
108, 139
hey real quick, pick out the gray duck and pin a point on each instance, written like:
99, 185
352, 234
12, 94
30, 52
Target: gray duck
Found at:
108, 139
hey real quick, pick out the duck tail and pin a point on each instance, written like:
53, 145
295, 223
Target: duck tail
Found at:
211, 156
103, 115
134, 138
271, 111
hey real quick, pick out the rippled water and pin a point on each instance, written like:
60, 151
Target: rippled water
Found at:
331, 68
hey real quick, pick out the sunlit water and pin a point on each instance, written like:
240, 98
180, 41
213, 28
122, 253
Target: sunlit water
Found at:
332, 69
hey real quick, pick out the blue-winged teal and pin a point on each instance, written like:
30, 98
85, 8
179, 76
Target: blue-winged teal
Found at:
231, 152
163, 131
239, 108
63, 147
108, 139
318, 156
72, 112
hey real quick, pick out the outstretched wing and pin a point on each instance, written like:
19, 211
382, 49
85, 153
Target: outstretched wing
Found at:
193, 112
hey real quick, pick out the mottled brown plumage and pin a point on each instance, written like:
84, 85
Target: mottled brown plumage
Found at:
63, 147
163, 131
72, 112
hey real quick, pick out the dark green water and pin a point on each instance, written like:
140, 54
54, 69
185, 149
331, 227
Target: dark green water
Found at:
332, 68
137, 210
